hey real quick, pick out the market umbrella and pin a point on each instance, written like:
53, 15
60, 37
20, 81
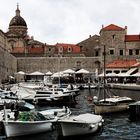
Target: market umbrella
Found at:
69, 71
82, 71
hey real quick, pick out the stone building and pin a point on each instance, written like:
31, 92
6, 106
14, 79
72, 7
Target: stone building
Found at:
8, 63
117, 44
21, 44
32, 55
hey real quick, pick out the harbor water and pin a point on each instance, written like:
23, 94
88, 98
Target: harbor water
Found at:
116, 126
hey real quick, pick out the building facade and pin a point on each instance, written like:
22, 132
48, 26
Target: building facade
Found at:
88, 53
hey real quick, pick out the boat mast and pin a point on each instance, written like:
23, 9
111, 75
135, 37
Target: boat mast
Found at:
104, 53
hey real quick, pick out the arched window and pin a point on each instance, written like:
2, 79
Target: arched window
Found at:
69, 49
60, 49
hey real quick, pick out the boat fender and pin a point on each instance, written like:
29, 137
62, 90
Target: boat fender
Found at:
95, 99
100, 124
91, 126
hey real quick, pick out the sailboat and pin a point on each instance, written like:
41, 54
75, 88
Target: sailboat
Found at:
111, 103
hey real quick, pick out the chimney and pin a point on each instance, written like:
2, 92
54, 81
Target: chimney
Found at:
125, 29
102, 26
89, 36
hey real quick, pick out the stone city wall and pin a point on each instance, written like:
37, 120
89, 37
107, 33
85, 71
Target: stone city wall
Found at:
55, 64
8, 64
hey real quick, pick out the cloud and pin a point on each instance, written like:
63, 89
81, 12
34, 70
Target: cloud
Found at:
71, 21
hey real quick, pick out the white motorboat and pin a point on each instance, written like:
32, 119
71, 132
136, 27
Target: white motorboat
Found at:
10, 100
20, 128
80, 125
54, 94
31, 122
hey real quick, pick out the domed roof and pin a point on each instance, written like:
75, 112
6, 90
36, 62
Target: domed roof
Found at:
17, 20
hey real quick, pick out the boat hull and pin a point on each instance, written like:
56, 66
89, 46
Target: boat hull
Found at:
73, 129
108, 108
19, 128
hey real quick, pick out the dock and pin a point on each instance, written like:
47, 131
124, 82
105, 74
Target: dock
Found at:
125, 86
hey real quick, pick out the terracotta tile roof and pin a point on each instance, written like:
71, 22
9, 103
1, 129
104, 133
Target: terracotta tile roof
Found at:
121, 64
36, 50
18, 50
132, 38
113, 27
75, 48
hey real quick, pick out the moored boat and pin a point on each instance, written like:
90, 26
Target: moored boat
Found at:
80, 125
26, 124
20, 128
112, 104
31, 122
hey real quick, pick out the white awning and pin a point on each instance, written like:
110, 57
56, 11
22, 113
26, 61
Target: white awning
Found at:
131, 71
136, 75
70, 71
101, 75
123, 75
82, 71
21, 73
36, 73
48, 73
58, 74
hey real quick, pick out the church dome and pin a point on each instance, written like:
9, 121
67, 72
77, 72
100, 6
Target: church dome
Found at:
17, 20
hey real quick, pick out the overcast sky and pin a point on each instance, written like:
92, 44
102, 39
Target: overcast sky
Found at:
71, 21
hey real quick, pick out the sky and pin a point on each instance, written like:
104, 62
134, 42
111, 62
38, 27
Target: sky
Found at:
71, 21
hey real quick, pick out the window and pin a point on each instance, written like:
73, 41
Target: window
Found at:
116, 71
121, 52
97, 53
108, 71
49, 49
111, 51
123, 71
60, 49
130, 52
81, 48
113, 36
137, 52
69, 49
